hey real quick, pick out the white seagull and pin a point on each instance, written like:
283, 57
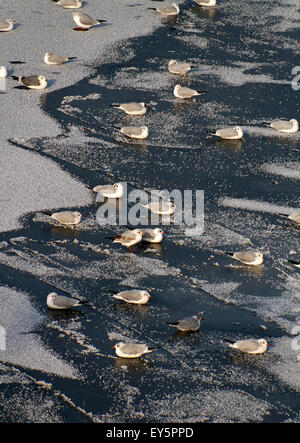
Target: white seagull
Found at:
51, 59
110, 191
37, 82
84, 21
179, 68
135, 132
294, 216
206, 2
186, 93
284, 126
69, 4
132, 350
250, 346
55, 301
187, 324
128, 238
295, 263
7, 25
132, 108
168, 11
252, 258
153, 235
133, 296
68, 218
235, 133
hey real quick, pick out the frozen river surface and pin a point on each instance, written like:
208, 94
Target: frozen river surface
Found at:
60, 366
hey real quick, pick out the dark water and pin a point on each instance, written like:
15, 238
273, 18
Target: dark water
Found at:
245, 68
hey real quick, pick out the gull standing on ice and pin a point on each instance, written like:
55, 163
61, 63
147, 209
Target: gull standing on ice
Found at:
37, 82
168, 11
133, 296
161, 207
55, 301
132, 350
294, 216
284, 126
153, 235
187, 324
84, 21
180, 68
206, 2
184, 92
235, 133
128, 238
250, 346
110, 191
253, 258
69, 4
51, 59
67, 218
7, 25
295, 263
132, 108
135, 132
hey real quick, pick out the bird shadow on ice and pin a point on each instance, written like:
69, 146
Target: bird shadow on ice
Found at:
205, 12
65, 314
134, 364
247, 271
233, 145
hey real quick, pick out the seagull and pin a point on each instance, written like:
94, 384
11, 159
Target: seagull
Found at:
7, 25
55, 301
132, 108
69, 4
132, 350
134, 296
67, 218
294, 216
153, 235
295, 263
161, 208
187, 324
135, 132
180, 68
253, 258
84, 21
206, 2
3, 72
184, 92
287, 127
128, 238
110, 191
51, 59
168, 11
32, 82
235, 133
250, 346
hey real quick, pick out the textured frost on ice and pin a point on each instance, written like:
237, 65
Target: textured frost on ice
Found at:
24, 348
